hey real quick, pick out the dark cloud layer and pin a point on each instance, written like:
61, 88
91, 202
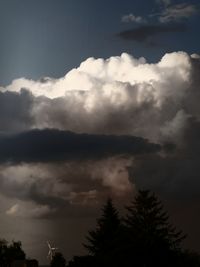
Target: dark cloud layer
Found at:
144, 33
54, 145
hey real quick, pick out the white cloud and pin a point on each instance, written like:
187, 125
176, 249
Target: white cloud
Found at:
112, 96
177, 12
107, 77
132, 18
173, 129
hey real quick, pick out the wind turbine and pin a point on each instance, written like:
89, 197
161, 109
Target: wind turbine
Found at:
51, 252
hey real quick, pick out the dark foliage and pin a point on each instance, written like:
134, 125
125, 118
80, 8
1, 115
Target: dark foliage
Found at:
10, 253
32, 263
82, 261
144, 238
103, 241
58, 260
149, 235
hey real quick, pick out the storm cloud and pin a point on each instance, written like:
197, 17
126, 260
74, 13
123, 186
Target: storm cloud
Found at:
95, 131
54, 145
106, 128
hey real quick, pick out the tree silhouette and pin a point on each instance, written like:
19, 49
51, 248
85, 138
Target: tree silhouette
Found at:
144, 238
15, 252
58, 260
10, 252
154, 241
82, 261
3, 249
189, 258
102, 242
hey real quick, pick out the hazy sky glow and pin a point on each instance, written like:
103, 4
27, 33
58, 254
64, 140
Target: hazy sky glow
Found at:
97, 99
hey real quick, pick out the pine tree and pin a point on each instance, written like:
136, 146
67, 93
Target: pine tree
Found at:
150, 235
103, 240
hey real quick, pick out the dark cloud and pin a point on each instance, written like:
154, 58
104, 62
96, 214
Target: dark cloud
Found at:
69, 188
175, 178
176, 175
56, 169
144, 33
54, 145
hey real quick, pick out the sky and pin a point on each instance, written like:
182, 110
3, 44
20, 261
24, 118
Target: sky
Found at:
97, 99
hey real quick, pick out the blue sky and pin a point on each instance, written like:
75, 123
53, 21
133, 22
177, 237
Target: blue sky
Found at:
48, 37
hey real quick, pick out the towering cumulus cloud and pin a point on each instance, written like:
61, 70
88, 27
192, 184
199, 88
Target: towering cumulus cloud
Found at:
113, 96
94, 132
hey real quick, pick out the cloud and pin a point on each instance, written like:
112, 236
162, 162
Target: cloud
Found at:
37, 183
83, 198
55, 145
176, 175
64, 188
57, 169
108, 76
169, 13
29, 210
132, 18
115, 96
15, 110
144, 33
177, 12
111, 101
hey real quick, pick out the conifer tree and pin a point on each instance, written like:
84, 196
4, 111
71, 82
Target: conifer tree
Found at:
103, 239
150, 234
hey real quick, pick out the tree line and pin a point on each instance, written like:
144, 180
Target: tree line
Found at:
10, 252
144, 237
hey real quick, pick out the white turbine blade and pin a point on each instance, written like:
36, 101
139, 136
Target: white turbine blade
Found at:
48, 244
